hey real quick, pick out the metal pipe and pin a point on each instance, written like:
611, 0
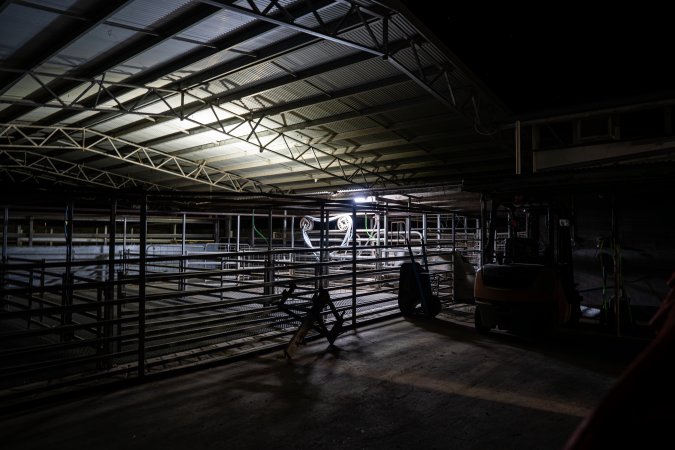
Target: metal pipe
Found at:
424, 227
318, 272
229, 231
5, 228
141, 285
110, 291
269, 272
238, 266
238, 233
182, 263
292, 231
353, 264
67, 294
438, 230
518, 149
253, 228
407, 221
454, 232
5, 232
284, 233
31, 231
386, 226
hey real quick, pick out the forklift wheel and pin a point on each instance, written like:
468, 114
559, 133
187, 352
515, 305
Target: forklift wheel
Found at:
478, 323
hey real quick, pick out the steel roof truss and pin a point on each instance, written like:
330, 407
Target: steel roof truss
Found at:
111, 147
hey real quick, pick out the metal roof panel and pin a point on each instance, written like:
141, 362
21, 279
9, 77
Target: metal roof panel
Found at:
148, 13
18, 24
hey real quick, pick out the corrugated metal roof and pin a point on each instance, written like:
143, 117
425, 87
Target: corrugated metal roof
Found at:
148, 13
160, 53
220, 24
385, 95
19, 25
241, 79
269, 38
332, 99
363, 37
281, 95
314, 55
95, 42
328, 14
22, 89
367, 71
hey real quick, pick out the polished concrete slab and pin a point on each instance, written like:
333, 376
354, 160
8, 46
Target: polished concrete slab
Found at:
394, 384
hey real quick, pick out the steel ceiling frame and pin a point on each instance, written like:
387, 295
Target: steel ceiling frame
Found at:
62, 138
24, 159
343, 167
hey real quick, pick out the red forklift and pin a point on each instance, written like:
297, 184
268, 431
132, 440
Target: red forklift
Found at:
526, 279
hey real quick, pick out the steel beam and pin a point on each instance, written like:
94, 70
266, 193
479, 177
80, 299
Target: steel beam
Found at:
142, 263
440, 87
108, 60
68, 138
15, 158
225, 43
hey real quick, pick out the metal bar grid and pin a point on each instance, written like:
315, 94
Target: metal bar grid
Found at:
133, 310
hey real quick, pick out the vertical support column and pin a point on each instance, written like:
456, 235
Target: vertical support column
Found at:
407, 221
31, 230
238, 241
229, 231
141, 284
438, 231
285, 224
269, 260
518, 149
216, 230
454, 232
5, 231
120, 275
354, 264
378, 252
483, 207
616, 263
424, 227
238, 232
110, 289
386, 229
67, 288
318, 272
182, 264
292, 231
253, 228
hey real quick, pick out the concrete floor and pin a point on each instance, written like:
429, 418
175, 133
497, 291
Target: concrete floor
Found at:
395, 384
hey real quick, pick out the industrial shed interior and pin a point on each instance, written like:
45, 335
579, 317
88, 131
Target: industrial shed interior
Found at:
300, 223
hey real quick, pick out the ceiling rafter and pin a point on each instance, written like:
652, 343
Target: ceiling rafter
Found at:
440, 85
27, 137
225, 43
32, 161
350, 171
99, 65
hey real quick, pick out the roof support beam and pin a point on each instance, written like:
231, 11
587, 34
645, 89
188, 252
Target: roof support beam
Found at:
26, 137
228, 42
15, 160
463, 101
99, 65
